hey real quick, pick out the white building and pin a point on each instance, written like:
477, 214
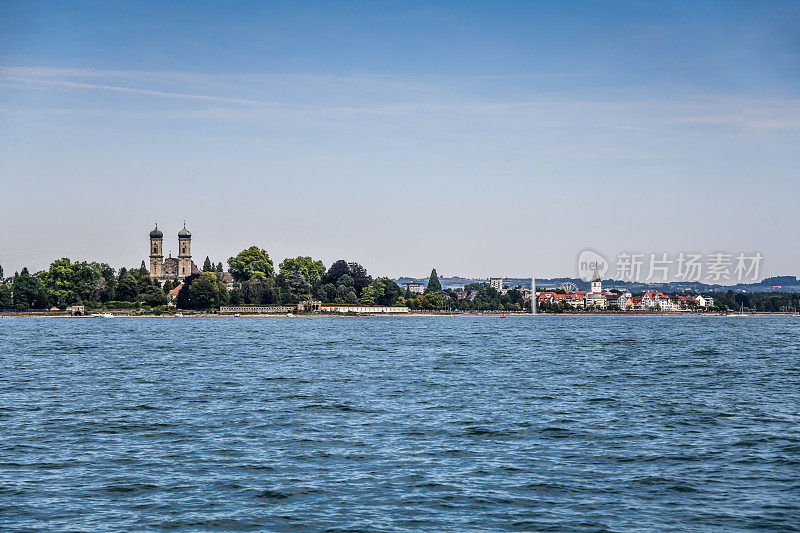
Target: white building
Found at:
704, 301
415, 287
496, 284
595, 300
659, 300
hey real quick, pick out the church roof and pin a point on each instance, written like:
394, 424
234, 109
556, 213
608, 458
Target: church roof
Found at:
156, 233
184, 232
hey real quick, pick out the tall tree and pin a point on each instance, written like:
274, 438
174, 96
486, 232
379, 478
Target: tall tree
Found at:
360, 277
184, 299
219, 267
6, 301
312, 271
127, 289
387, 292
432, 300
434, 285
207, 267
258, 291
204, 292
336, 271
250, 263
369, 294
154, 296
1, 273
28, 291
298, 287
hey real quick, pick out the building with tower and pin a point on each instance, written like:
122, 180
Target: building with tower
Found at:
597, 283
596, 299
171, 268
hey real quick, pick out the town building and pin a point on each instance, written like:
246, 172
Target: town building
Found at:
622, 300
171, 268
415, 287
496, 284
595, 299
658, 300
704, 301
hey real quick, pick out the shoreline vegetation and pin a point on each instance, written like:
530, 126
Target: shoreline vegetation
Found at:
413, 314
85, 288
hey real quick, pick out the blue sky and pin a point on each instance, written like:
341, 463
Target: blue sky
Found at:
480, 138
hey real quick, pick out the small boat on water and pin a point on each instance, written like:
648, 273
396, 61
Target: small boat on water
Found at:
103, 315
290, 314
178, 315
237, 314
741, 313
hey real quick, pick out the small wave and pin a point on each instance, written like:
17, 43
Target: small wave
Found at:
268, 494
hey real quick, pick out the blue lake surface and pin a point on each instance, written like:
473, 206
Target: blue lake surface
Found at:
549, 423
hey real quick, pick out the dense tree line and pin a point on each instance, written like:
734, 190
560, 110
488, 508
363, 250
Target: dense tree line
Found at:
67, 283
256, 282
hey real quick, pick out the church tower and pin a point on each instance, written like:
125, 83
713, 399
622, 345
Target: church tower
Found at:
597, 283
184, 252
156, 254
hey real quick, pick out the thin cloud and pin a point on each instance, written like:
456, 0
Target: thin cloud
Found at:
149, 92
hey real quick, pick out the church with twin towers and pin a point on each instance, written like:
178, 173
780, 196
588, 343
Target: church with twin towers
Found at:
171, 268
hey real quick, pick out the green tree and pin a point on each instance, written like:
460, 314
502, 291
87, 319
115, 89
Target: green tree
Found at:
258, 291
219, 267
250, 263
235, 297
58, 281
434, 285
336, 271
391, 292
297, 286
127, 289
345, 281
356, 272
107, 290
204, 292
167, 286
351, 298
207, 266
312, 271
360, 277
1, 273
432, 300
154, 296
28, 292
327, 292
6, 301
369, 295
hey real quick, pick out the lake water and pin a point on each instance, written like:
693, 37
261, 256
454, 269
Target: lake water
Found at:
542, 423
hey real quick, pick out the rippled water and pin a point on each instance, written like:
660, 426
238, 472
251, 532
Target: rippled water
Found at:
456, 423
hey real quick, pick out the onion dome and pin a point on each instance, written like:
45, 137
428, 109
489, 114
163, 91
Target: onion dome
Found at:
185, 233
156, 233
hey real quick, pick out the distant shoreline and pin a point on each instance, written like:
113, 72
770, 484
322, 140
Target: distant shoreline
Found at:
411, 314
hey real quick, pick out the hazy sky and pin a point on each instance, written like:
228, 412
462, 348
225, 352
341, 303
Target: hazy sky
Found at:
493, 138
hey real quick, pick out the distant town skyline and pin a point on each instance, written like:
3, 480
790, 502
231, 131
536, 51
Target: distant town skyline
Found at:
483, 139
